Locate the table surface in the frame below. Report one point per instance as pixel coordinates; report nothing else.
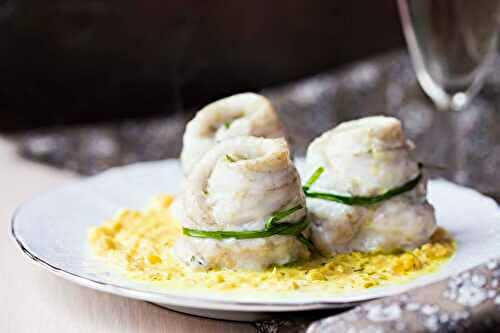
(37, 301)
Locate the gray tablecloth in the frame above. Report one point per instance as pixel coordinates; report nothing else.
(468, 302)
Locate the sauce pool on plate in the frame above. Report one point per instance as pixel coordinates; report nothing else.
(139, 244)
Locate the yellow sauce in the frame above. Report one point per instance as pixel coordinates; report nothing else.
(139, 243)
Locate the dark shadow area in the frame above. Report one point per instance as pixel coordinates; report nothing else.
(67, 62)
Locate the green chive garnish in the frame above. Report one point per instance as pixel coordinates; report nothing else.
(271, 228)
(360, 200)
(281, 215)
(230, 159)
(307, 243)
(286, 229)
(313, 178)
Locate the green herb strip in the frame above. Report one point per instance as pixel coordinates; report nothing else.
(271, 228)
(359, 200)
(280, 215)
(308, 244)
(313, 178)
(230, 159)
(286, 229)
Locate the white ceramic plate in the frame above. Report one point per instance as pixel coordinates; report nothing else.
(52, 231)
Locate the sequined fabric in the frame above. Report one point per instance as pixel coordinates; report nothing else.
(467, 302)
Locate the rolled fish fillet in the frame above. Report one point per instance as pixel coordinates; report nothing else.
(237, 186)
(367, 157)
(245, 114)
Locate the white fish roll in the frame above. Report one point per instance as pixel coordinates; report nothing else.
(245, 114)
(363, 157)
(366, 158)
(237, 186)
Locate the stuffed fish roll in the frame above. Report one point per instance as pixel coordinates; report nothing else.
(245, 114)
(366, 193)
(243, 207)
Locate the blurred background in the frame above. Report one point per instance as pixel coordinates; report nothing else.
(81, 61)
